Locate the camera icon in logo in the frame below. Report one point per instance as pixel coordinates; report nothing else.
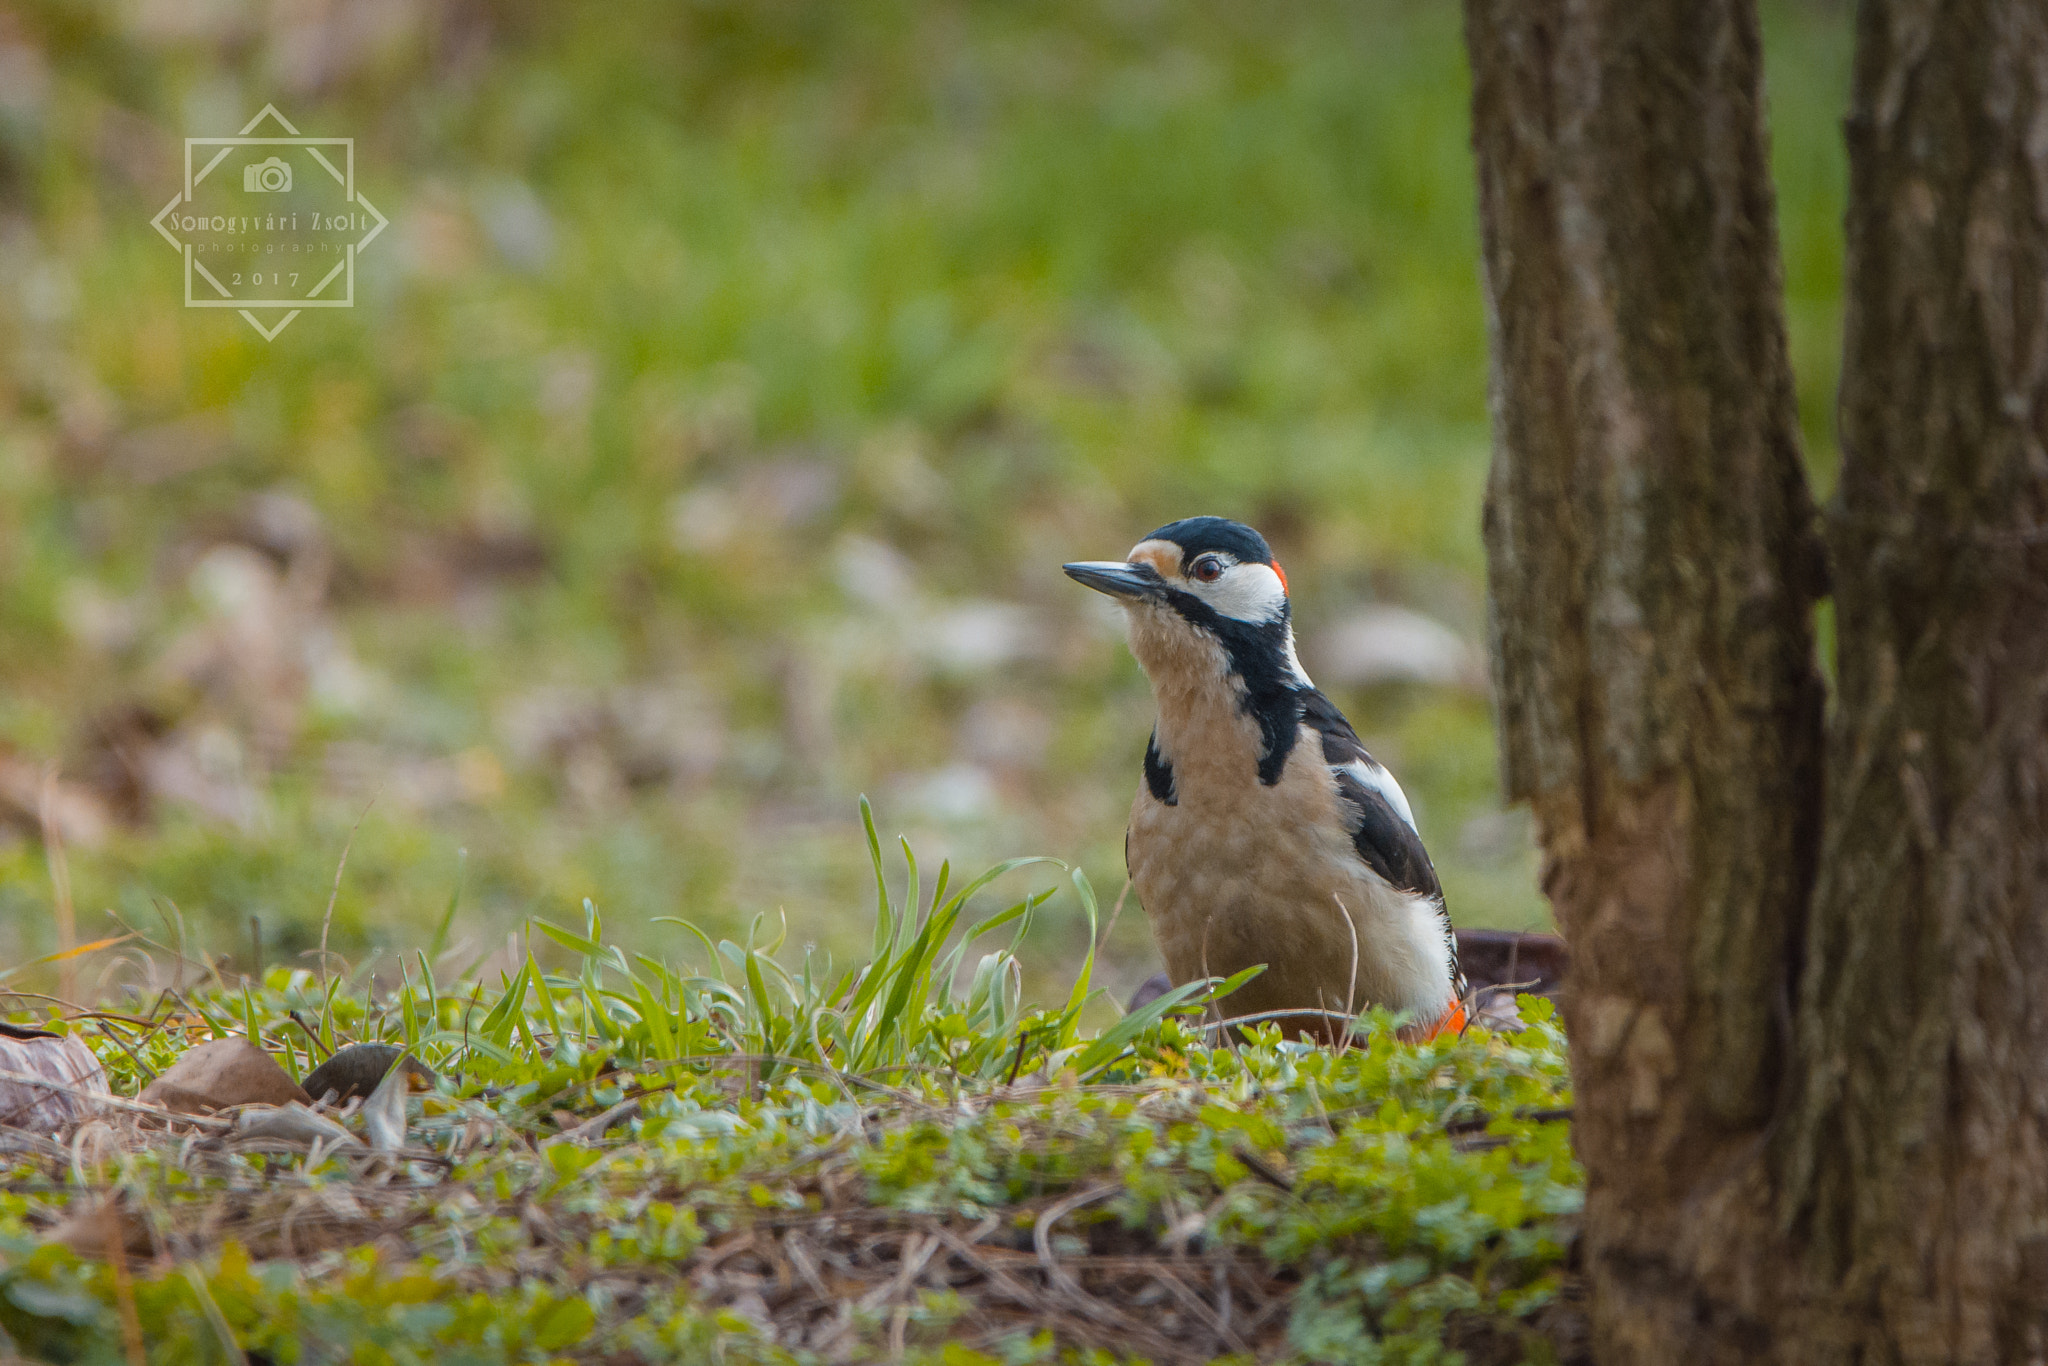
(267, 177)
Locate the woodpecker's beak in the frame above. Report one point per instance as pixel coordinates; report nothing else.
(1131, 582)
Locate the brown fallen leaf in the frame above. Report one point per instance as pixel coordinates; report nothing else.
(47, 1081)
(220, 1073)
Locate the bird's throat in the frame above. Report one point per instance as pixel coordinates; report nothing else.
(1206, 735)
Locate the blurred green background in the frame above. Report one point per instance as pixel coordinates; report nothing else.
(708, 433)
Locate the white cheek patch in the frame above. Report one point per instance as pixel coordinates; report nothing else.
(1377, 779)
(1246, 592)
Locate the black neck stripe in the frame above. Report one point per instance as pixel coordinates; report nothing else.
(1257, 654)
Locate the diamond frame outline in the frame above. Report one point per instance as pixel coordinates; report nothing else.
(350, 196)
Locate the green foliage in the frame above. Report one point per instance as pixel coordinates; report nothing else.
(1407, 1188)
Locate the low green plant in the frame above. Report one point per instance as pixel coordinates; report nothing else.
(1379, 1202)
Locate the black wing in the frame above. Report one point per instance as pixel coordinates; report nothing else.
(1387, 843)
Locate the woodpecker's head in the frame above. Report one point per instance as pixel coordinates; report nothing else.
(1203, 595)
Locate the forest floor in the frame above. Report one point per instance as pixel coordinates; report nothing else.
(624, 1159)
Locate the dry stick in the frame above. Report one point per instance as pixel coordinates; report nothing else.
(124, 1284)
(590, 1130)
(60, 884)
(1212, 1009)
(1478, 1123)
(912, 1258)
(1057, 1275)
(1351, 985)
(10, 993)
(1114, 912)
(12, 1138)
(1214, 1318)
(1018, 1061)
(1009, 1286)
(148, 1072)
(311, 1033)
(799, 1253)
(1282, 1014)
(1263, 1169)
(116, 1102)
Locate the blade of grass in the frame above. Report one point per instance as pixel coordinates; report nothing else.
(498, 1025)
(440, 940)
(885, 911)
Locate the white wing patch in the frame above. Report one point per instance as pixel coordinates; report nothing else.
(1376, 777)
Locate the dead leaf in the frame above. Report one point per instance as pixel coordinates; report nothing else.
(221, 1073)
(292, 1123)
(384, 1111)
(49, 1081)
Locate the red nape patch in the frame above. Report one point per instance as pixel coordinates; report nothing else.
(1283, 575)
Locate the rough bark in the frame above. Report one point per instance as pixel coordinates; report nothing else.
(1916, 1160)
(1809, 1031)
(1654, 560)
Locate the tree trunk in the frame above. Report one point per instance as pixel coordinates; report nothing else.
(1654, 560)
(1807, 1033)
(1916, 1160)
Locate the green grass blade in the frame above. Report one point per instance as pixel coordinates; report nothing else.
(710, 949)
(498, 1025)
(544, 995)
(568, 939)
(1112, 1042)
(1084, 980)
(440, 939)
(885, 913)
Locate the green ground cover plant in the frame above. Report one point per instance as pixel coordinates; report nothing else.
(715, 1154)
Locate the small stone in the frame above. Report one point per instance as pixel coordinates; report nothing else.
(355, 1069)
(221, 1073)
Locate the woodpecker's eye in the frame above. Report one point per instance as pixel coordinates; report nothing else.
(1208, 569)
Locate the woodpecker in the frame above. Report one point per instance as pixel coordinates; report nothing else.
(1262, 832)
